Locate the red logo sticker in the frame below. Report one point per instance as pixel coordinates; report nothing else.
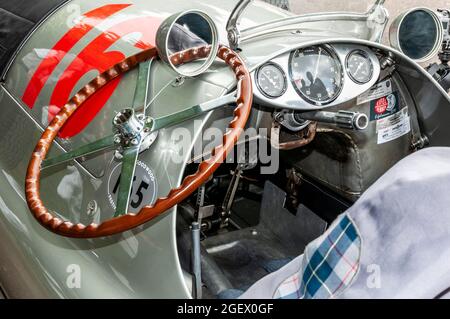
(381, 105)
(94, 57)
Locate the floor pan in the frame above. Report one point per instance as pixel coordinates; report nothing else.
(247, 255)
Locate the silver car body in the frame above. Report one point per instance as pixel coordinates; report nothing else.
(142, 263)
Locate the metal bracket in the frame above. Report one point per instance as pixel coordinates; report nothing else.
(230, 195)
(234, 35)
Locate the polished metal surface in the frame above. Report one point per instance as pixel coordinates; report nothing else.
(123, 266)
(127, 124)
(168, 35)
(234, 34)
(396, 40)
(370, 25)
(347, 91)
(342, 119)
(144, 263)
(288, 119)
(349, 161)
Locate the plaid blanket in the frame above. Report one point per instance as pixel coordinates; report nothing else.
(393, 243)
(329, 264)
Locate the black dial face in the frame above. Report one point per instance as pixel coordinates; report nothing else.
(359, 67)
(271, 80)
(316, 73)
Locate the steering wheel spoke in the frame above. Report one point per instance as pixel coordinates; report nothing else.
(129, 160)
(86, 150)
(191, 112)
(141, 92)
(132, 130)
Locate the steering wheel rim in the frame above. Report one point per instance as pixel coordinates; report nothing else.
(188, 186)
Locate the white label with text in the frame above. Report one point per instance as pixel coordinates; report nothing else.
(394, 126)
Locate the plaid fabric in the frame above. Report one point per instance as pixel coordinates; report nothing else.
(329, 264)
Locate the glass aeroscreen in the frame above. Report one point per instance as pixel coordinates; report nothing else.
(418, 34)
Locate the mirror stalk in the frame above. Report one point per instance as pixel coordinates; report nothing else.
(234, 35)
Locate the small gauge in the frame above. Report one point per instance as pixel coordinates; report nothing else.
(271, 80)
(359, 66)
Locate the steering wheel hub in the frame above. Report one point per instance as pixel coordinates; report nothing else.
(134, 133)
(127, 124)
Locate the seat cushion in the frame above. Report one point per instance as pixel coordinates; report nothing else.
(17, 19)
(403, 226)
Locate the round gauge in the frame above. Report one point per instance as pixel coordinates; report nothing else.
(359, 66)
(316, 74)
(271, 80)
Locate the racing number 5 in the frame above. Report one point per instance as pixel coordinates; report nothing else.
(139, 194)
(142, 186)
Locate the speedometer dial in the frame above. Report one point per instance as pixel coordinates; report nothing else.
(359, 67)
(271, 80)
(316, 73)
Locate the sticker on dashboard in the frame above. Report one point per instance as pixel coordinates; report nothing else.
(377, 91)
(394, 126)
(384, 106)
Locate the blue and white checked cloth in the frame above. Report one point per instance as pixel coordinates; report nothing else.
(329, 265)
(401, 225)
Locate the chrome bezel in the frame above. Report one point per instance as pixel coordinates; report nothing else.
(349, 73)
(162, 42)
(329, 49)
(394, 33)
(285, 83)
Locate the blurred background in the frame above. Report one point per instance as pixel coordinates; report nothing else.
(395, 7)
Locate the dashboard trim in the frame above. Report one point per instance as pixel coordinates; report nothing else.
(293, 101)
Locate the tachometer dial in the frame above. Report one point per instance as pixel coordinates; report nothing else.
(271, 80)
(316, 73)
(359, 67)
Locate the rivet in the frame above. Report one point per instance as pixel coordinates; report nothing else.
(92, 208)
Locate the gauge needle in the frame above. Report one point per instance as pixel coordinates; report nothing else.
(359, 67)
(268, 78)
(317, 66)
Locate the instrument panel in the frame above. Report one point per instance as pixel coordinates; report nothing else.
(316, 77)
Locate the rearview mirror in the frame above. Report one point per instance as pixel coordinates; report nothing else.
(417, 33)
(188, 42)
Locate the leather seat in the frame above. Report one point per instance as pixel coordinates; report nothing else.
(18, 18)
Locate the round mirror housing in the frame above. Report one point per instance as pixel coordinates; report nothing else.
(418, 33)
(186, 34)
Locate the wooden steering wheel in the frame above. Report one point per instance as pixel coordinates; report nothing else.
(131, 146)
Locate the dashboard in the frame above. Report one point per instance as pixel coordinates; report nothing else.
(316, 77)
